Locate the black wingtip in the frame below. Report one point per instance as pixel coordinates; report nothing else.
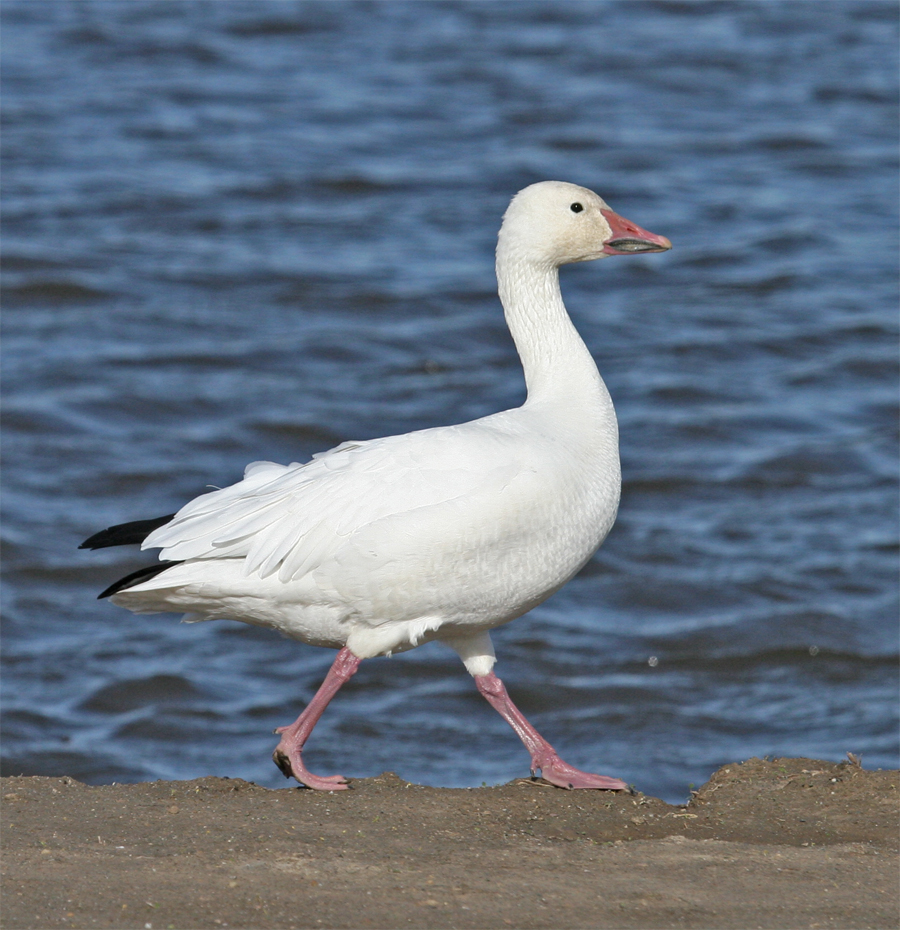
(125, 534)
(142, 574)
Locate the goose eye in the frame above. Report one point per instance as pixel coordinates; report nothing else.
(576, 208)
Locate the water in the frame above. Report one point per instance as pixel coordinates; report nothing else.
(236, 231)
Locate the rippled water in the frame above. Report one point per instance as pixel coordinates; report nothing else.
(249, 230)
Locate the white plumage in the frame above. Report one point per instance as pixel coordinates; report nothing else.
(375, 547)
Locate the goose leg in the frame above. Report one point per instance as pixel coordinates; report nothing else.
(543, 755)
(288, 753)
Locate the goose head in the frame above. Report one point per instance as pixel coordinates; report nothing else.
(555, 223)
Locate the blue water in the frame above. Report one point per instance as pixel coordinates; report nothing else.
(251, 230)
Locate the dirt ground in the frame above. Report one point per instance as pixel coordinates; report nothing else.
(786, 843)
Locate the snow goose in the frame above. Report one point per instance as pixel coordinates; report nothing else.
(441, 534)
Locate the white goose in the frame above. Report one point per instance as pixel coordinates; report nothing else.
(442, 534)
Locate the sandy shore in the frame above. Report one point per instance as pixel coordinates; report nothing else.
(786, 843)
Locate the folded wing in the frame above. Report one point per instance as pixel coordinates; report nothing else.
(287, 520)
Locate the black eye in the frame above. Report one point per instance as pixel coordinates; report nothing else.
(576, 208)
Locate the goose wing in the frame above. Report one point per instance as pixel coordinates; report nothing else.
(291, 519)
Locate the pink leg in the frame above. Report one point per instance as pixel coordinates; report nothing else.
(543, 755)
(287, 755)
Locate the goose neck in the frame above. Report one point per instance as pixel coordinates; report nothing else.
(556, 362)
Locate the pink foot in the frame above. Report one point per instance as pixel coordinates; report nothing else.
(289, 759)
(288, 755)
(543, 755)
(563, 775)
